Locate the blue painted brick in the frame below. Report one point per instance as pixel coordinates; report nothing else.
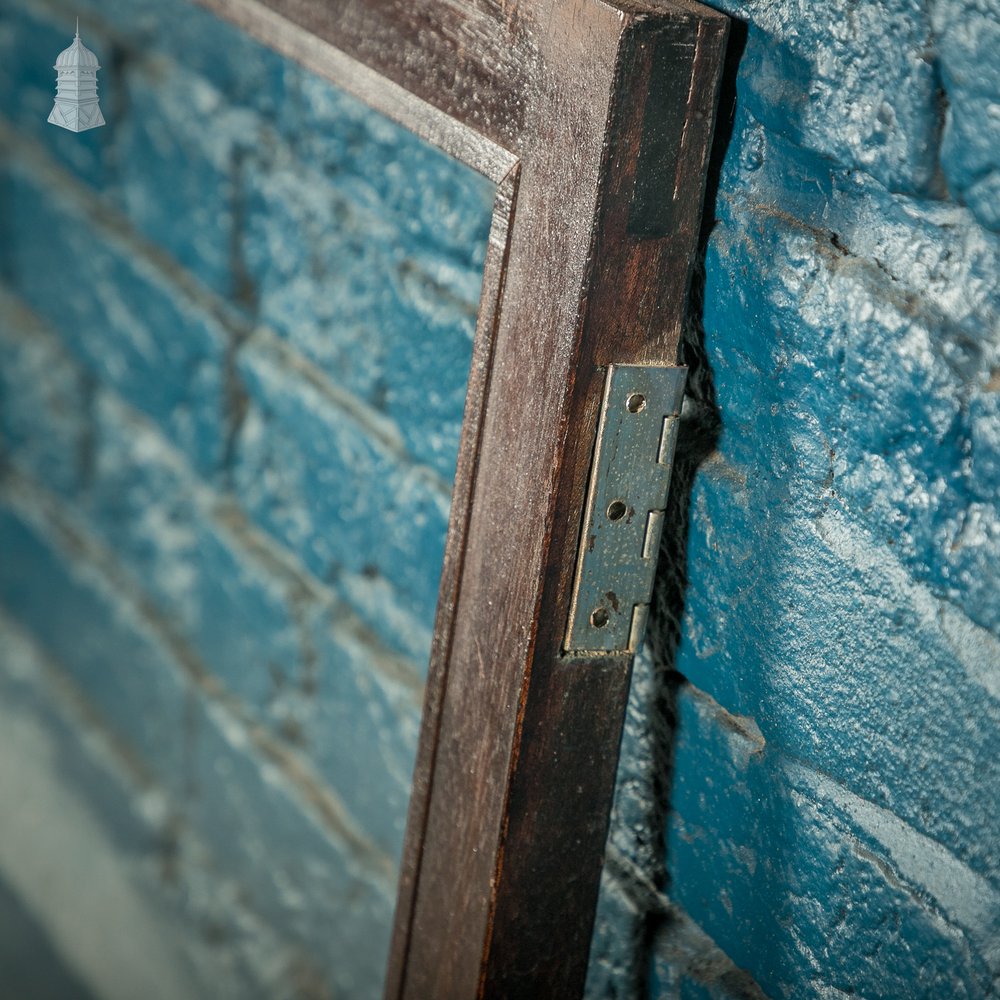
(313, 255)
(34, 687)
(930, 254)
(177, 152)
(437, 204)
(815, 888)
(828, 343)
(399, 628)
(128, 674)
(429, 352)
(180, 169)
(330, 490)
(146, 504)
(291, 871)
(967, 39)
(237, 616)
(841, 658)
(44, 400)
(118, 313)
(855, 86)
(362, 718)
(294, 873)
(355, 281)
(267, 637)
(204, 934)
(984, 444)
(297, 450)
(171, 161)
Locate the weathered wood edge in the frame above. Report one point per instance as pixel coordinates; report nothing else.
(498, 250)
(536, 921)
(274, 25)
(566, 118)
(564, 760)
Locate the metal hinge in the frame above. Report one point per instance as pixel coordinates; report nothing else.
(623, 517)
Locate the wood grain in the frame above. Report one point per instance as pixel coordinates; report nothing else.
(595, 119)
(564, 755)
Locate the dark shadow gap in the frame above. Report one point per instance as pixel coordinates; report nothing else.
(699, 432)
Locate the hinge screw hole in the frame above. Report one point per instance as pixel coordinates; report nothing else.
(599, 617)
(616, 510)
(635, 402)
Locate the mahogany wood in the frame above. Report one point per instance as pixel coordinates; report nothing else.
(595, 121)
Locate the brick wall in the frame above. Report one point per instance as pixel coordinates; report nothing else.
(818, 740)
(235, 327)
(198, 660)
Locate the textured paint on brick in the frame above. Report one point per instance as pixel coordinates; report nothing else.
(618, 928)
(841, 512)
(277, 641)
(126, 670)
(967, 40)
(311, 252)
(316, 478)
(867, 389)
(812, 886)
(439, 207)
(261, 830)
(290, 198)
(366, 279)
(157, 518)
(360, 721)
(177, 153)
(61, 850)
(133, 328)
(841, 601)
(294, 874)
(43, 396)
(137, 858)
(376, 602)
(854, 84)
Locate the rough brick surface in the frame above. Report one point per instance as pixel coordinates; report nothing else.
(106, 649)
(317, 228)
(967, 36)
(818, 738)
(149, 509)
(116, 312)
(811, 886)
(330, 484)
(42, 397)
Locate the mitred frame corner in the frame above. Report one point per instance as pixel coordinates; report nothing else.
(594, 119)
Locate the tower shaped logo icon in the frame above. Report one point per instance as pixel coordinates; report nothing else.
(76, 106)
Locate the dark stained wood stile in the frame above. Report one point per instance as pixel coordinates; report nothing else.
(594, 119)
